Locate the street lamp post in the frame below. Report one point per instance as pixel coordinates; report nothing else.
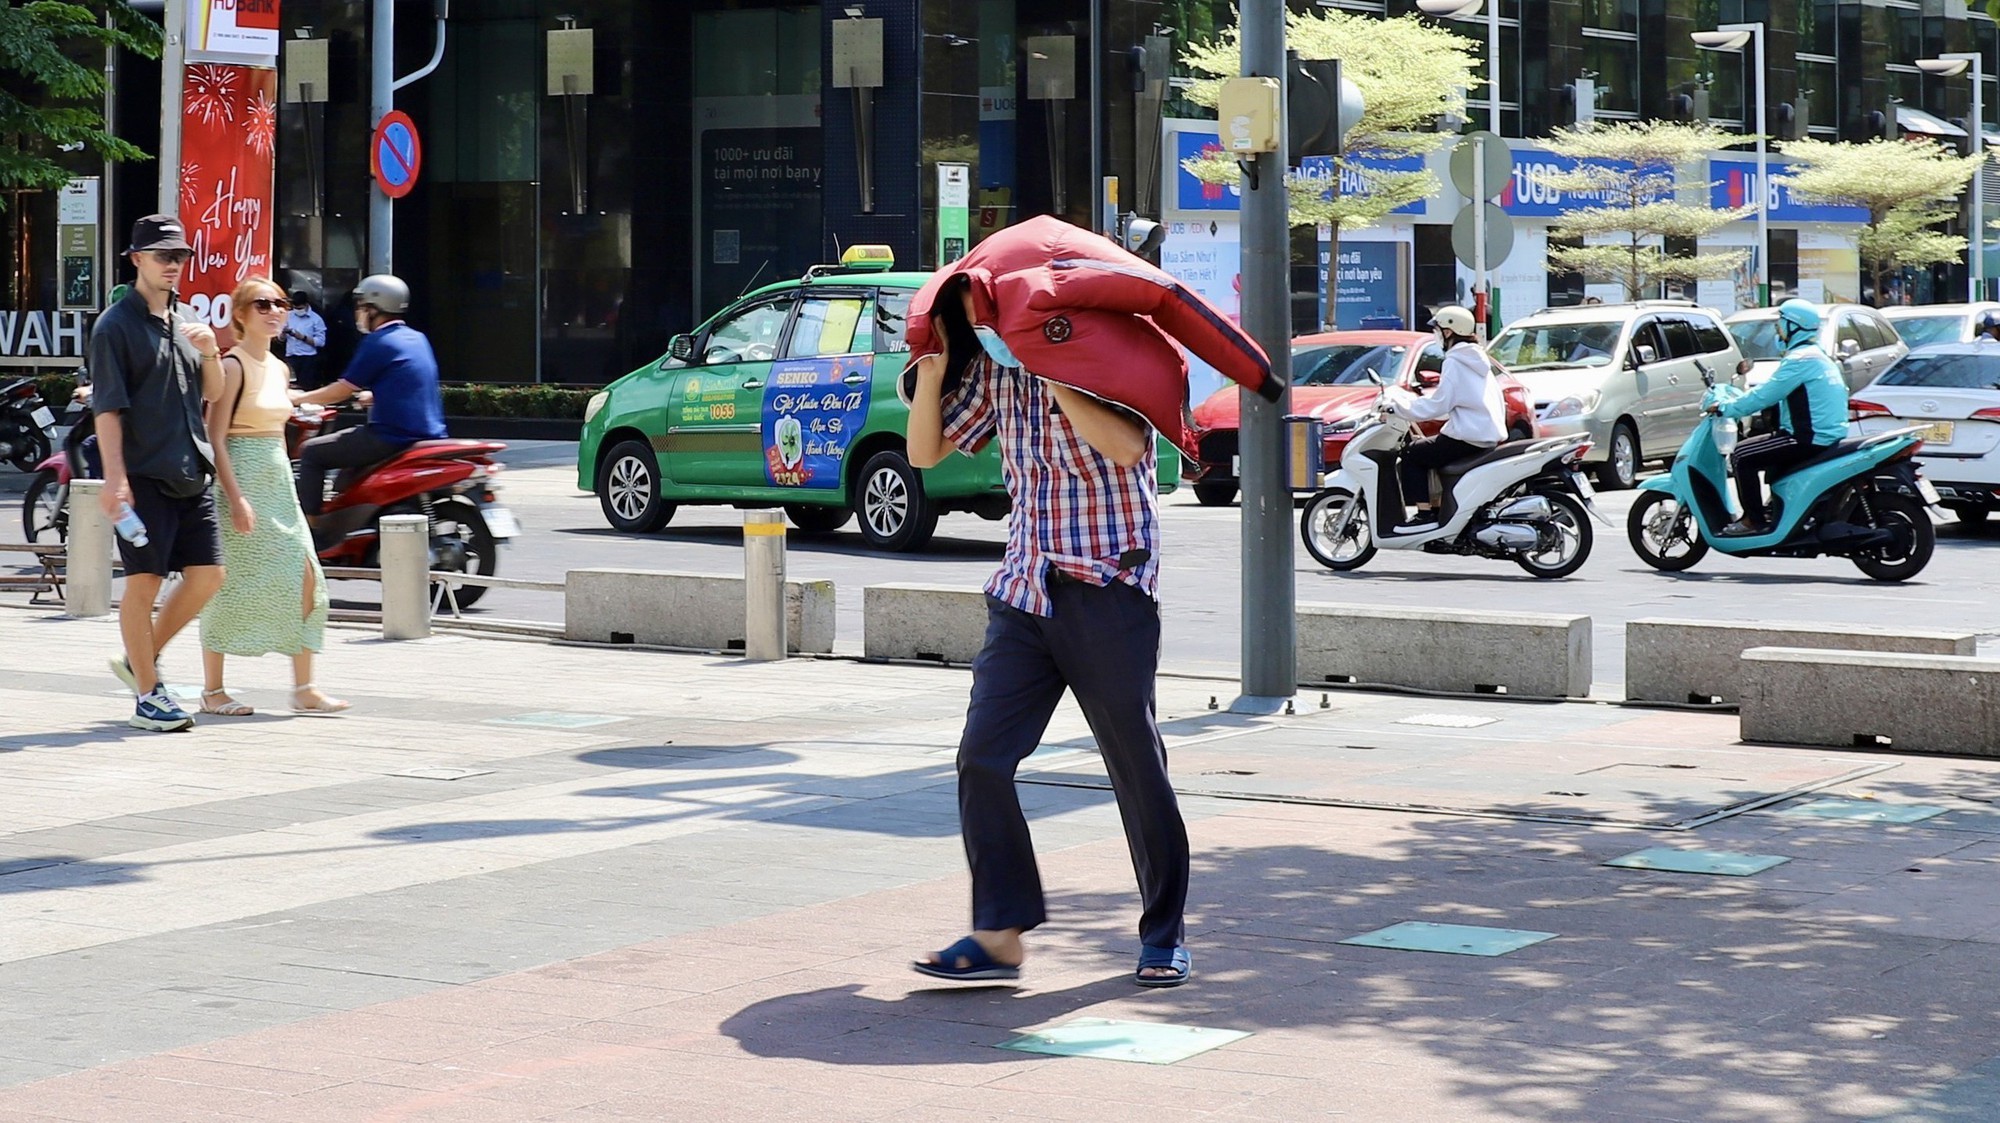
(1732, 37)
(1949, 66)
(1466, 9)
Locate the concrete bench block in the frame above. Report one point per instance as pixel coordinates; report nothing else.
(695, 610)
(1701, 660)
(1916, 703)
(1535, 654)
(907, 621)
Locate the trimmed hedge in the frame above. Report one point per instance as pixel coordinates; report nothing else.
(543, 402)
(556, 403)
(56, 389)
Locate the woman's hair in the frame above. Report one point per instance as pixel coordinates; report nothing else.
(239, 301)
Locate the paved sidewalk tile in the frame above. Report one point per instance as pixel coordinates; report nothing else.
(706, 908)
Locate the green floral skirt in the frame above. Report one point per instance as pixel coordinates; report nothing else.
(260, 610)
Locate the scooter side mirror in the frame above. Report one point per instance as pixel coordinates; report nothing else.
(1743, 366)
(1374, 377)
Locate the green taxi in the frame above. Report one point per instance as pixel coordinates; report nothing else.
(788, 398)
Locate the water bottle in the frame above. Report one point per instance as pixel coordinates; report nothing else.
(130, 526)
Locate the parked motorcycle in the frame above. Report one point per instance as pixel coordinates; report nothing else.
(45, 507)
(1522, 501)
(1862, 499)
(450, 482)
(27, 425)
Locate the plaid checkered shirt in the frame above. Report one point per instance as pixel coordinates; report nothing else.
(1075, 510)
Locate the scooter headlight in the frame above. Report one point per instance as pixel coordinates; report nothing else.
(596, 404)
(1576, 405)
(1343, 425)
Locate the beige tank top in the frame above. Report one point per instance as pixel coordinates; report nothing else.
(265, 403)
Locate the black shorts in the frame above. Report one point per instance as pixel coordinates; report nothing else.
(180, 533)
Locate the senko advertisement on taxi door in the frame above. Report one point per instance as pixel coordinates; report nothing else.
(812, 410)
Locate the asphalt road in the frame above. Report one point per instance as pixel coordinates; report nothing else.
(563, 530)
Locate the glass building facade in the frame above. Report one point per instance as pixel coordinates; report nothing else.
(564, 233)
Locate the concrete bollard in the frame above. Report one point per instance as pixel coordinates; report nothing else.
(87, 579)
(406, 583)
(764, 585)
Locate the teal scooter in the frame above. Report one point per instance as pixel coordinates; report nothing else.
(1861, 499)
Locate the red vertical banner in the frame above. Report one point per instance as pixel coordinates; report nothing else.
(229, 128)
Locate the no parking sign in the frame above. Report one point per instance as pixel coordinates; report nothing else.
(395, 154)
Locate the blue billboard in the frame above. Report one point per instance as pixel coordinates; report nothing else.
(1191, 194)
(1531, 192)
(1733, 183)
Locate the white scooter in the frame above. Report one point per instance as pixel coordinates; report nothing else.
(1524, 501)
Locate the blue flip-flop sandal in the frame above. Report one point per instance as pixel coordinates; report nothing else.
(979, 966)
(1175, 958)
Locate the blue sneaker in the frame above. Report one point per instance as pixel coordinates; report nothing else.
(160, 713)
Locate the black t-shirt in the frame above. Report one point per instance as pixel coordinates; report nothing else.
(141, 366)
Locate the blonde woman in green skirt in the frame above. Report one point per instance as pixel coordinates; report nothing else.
(273, 597)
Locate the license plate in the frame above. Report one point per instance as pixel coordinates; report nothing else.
(1929, 492)
(502, 522)
(1582, 485)
(1937, 433)
(1236, 466)
(43, 417)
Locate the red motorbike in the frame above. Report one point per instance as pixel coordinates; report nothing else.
(450, 482)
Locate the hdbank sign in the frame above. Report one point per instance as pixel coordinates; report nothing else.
(1191, 194)
(1733, 183)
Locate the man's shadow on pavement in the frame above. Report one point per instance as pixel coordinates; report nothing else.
(1651, 979)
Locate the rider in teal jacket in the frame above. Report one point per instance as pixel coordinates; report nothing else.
(1811, 396)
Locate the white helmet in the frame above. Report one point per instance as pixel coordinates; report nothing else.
(383, 292)
(1456, 320)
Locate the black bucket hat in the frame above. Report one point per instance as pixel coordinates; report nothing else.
(158, 232)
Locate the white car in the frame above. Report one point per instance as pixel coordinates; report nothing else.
(1953, 391)
(1857, 337)
(1628, 375)
(1921, 325)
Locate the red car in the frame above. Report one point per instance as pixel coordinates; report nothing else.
(1330, 382)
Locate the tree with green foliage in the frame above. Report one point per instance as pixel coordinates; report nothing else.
(1632, 169)
(52, 84)
(1909, 188)
(1410, 72)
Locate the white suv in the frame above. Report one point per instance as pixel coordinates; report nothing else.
(1627, 374)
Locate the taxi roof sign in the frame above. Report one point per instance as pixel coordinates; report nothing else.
(869, 259)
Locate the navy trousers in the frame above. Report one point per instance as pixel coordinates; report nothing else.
(1103, 643)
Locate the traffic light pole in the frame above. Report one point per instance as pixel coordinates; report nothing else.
(1270, 624)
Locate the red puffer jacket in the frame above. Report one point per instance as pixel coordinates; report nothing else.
(1077, 309)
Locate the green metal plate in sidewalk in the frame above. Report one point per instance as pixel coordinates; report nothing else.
(1866, 811)
(1143, 1042)
(1723, 863)
(557, 720)
(1449, 939)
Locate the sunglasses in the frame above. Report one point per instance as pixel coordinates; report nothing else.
(170, 257)
(266, 303)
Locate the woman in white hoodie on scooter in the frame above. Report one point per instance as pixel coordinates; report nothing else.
(1467, 397)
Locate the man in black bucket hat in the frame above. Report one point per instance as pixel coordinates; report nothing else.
(152, 365)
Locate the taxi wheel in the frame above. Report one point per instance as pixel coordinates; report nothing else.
(896, 515)
(814, 519)
(628, 489)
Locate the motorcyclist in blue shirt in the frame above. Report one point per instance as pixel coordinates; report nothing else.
(395, 364)
(1811, 397)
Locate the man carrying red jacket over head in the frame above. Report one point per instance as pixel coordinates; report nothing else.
(1060, 345)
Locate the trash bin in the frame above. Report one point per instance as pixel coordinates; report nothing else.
(1307, 462)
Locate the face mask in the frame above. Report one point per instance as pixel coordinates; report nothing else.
(996, 347)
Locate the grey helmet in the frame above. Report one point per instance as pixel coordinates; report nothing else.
(384, 292)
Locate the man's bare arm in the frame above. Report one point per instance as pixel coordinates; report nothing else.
(926, 444)
(1112, 433)
(331, 394)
